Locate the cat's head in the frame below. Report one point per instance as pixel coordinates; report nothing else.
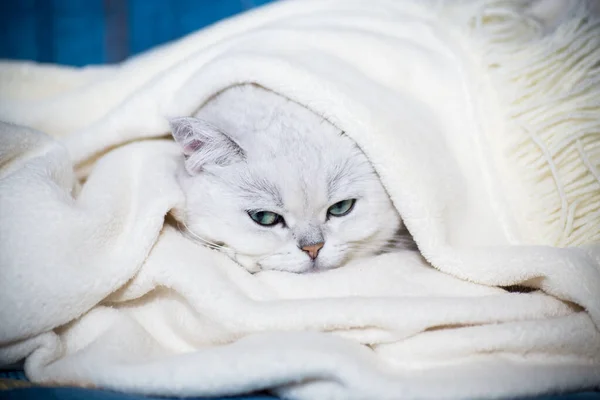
(280, 189)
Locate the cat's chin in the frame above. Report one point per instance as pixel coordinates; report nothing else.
(308, 267)
(319, 265)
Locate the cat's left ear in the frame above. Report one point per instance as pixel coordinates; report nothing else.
(204, 144)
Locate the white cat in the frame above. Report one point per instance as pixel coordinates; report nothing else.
(277, 187)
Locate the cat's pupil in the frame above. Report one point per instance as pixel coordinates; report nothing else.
(341, 208)
(265, 218)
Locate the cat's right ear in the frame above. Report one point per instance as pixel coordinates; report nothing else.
(204, 144)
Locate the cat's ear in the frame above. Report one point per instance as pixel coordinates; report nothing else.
(204, 144)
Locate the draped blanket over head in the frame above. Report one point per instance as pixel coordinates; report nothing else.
(482, 119)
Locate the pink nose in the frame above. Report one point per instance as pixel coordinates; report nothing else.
(313, 250)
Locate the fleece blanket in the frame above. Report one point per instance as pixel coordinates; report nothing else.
(482, 120)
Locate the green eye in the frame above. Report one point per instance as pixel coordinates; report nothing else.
(341, 208)
(265, 218)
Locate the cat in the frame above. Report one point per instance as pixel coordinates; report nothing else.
(276, 187)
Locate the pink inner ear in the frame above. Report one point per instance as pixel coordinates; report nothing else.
(192, 146)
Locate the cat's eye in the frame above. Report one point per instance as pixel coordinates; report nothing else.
(341, 208)
(265, 218)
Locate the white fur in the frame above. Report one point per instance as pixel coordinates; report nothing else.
(303, 159)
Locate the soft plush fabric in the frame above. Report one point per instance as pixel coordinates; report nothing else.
(481, 119)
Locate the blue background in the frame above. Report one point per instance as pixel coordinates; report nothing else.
(82, 32)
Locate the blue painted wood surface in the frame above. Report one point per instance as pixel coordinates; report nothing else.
(82, 32)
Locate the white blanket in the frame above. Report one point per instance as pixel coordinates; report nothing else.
(481, 119)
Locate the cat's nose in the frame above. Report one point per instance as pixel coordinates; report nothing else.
(313, 250)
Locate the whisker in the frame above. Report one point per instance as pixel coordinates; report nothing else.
(205, 242)
(208, 243)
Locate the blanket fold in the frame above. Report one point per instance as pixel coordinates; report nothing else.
(481, 119)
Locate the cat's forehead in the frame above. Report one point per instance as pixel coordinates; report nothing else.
(304, 181)
(263, 121)
(294, 158)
